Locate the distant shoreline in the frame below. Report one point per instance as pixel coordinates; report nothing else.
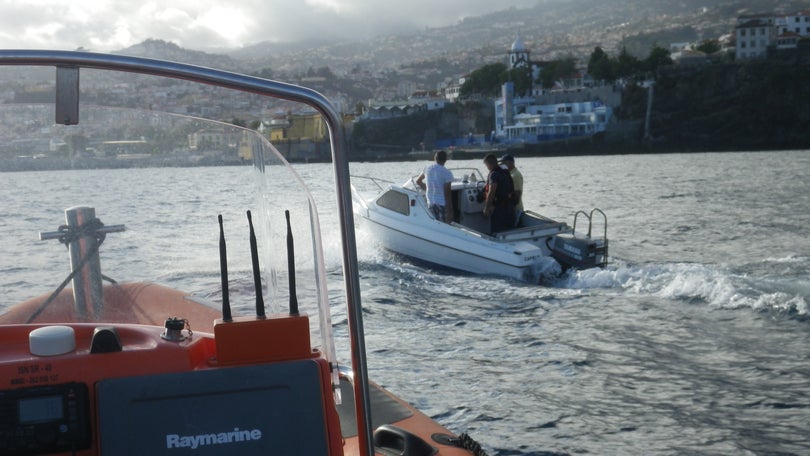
(63, 164)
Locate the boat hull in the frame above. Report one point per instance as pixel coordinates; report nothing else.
(398, 219)
(126, 388)
(460, 249)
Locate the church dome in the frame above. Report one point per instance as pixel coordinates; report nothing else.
(518, 45)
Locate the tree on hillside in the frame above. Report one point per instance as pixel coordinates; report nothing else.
(709, 46)
(266, 73)
(658, 57)
(485, 80)
(626, 64)
(323, 72)
(488, 80)
(557, 70)
(600, 65)
(521, 77)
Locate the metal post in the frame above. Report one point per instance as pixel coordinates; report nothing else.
(83, 234)
(87, 293)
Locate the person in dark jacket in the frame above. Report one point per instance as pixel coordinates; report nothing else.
(517, 183)
(498, 205)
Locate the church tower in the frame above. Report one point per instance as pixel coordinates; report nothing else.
(518, 55)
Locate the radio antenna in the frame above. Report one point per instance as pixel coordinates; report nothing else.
(291, 266)
(257, 276)
(223, 270)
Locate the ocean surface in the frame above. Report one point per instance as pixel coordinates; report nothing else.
(695, 340)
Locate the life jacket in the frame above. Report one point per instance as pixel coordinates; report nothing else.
(506, 188)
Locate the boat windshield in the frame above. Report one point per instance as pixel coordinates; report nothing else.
(467, 175)
(464, 175)
(155, 175)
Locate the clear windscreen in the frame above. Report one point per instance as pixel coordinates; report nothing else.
(138, 159)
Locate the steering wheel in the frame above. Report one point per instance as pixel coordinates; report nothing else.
(415, 185)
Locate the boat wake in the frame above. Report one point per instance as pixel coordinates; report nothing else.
(776, 285)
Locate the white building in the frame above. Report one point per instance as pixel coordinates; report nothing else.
(756, 33)
(210, 138)
(787, 40)
(453, 91)
(753, 37)
(521, 120)
(798, 23)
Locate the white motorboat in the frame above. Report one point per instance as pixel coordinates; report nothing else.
(399, 219)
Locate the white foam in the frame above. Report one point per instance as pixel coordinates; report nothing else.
(711, 284)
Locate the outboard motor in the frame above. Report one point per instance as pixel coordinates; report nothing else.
(581, 251)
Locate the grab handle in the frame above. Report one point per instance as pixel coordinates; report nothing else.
(393, 441)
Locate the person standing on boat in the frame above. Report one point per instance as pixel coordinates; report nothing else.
(517, 184)
(436, 180)
(497, 202)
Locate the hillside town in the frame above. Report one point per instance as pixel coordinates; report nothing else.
(577, 106)
(582, 106)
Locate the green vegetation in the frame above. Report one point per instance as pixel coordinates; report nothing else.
(485, 81)
(752, 105)
(556, 70)
(709, 46)
(403, 134)
(756, 105)
(400, 133)
(640, 44)
(603, 67)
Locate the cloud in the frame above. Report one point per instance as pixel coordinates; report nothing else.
(106, 25)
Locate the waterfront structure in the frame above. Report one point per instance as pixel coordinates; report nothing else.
(417, 102)
(390, 109)
(520, 118)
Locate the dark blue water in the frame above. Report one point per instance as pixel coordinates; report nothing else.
(695, 339)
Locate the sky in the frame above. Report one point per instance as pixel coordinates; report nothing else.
(109, 25)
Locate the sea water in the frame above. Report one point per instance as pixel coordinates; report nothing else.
(694, 340)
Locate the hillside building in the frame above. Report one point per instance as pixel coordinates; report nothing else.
(798, 23)
(753, 38)
(756, 35)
